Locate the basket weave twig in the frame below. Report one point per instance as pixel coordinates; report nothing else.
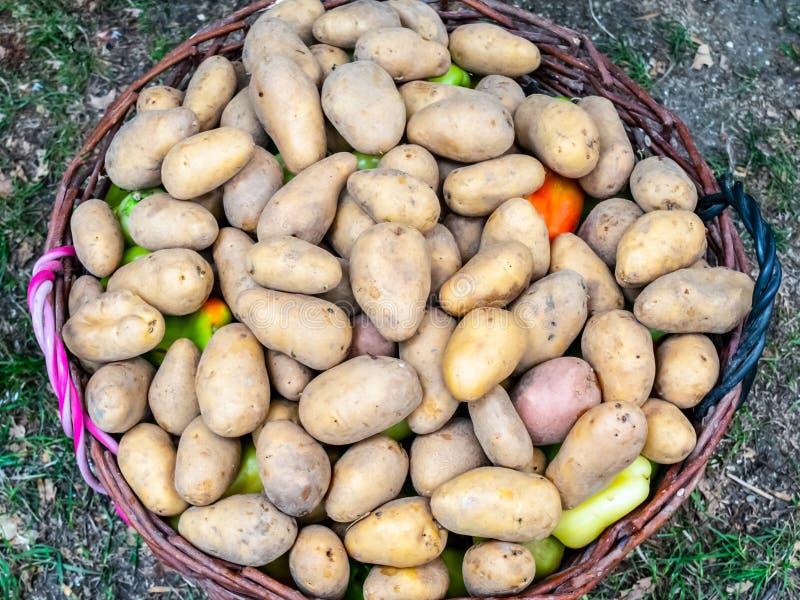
(571, 66)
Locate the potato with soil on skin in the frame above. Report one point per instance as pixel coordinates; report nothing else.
(306, 206)
(114, 326)
(318, 563)
(604, 440)
(343, 25)
(367, 475)
(403, 53)
(552, 311)
(137, 151)
(300, 14)
(239, 113)
(146, 459)
(261, 533)
(568, 251)
(390, 272)
(687, 367)
(288, 376)
(97, 237)
(561, 134)
(659, 183)
(537, 464)
(505, 89)
(205, 161)
(160, 222)
(350, 222)
(439, 456)
(368, 340)
(427, 582)
(658, 243)
(484, 349)
(415, 161)
(342, 295)
(83, 289)
(176, 281)
(696, 301)
(670, 435)
(477, 190)
(289, 264)
(467, 232)
(445, 256)
(271, 37)
(487, 49)
(494, 277)
(421, 94)
(605, 225)
(389, 195)
(293, 467)
(229, 252)
(620, 350)
(231, 383)
(498, 569)
(420, 17)
(116, 395)
(391, 534)
(616, 153)
(500, 430)
(247, 193)
(278, 87)
(517, 219)
(466, 129)
(362, 103)
(210, 89)
(158, 97)
(329, 58)
(280, 409)
(553, 395)
(172, 397)
(206, 464)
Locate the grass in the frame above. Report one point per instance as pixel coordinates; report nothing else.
(622, 52)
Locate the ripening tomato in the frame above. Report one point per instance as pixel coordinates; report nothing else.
(560, 202)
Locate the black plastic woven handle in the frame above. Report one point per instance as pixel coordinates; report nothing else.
(742, 366)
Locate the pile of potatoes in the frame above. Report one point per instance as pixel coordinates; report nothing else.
(425, 291)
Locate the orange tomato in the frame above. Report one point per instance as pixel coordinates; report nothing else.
(560, 202)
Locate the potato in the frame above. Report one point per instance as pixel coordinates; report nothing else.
(620, 350)
(114, 326)
(505, 89)
(605, 224)
(288, 376)
(604, 440)
(246, 194)
(658, 243)
(158, 97)
(446, 453)
(687, 367)
(300, 14)
(551, 396)
(483, 350)
(97, 237)
(561, 134)
(212, 202)
(343, 25)
(160, 222)
(261, 533)
(280, 410)
(486, 49)
(239, 113)
(270, 37)
(146, 459)
(390, 272)
(517, 219)
(329, 58)
(493, 277)
(338, 406)
(242, 76)
(210, 89)
(176, 281)
(696, 301)
(500, 430)
(498, 503)
(83, 289)
(659, 183)
(368, 340)
(171, 397)
(445, 256)
(285, 323)
(670, 435)
(477, 190)
(305, 207)
(403, 53)
(568, 251)
(421, 94)
(278, 87)
(116, 395)
(135, 155)
(389, 195)
(205, 161)
(538, 463)
(318, 563)
(467, 232)
(230, 251)
(421, 18)
(289, 264)
(498, 569)
(349, 223)
(552, 311)
(466, 129)
(367, 475)
(415, 161)
(426, 582)
(391, 535)
(206, 464)
(342, 295)
(361, 102)
(231, 383)
(616, 153)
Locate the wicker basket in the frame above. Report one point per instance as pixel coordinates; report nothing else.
(570, 66)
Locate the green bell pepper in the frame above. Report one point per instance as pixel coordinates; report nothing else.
(279, 569)
(287, 174)
(367, 161)
(398, 432)
(115, 195)
(455, 76)
(657, 334)
(584, 523)
(358, 573)
(123, 210)
(247, 479)
(547, 555)
(454, 559)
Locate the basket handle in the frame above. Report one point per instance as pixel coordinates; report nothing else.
(742, 365)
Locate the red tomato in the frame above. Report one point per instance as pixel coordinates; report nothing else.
(560, 202)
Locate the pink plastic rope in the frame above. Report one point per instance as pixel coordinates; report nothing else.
(74, 419)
